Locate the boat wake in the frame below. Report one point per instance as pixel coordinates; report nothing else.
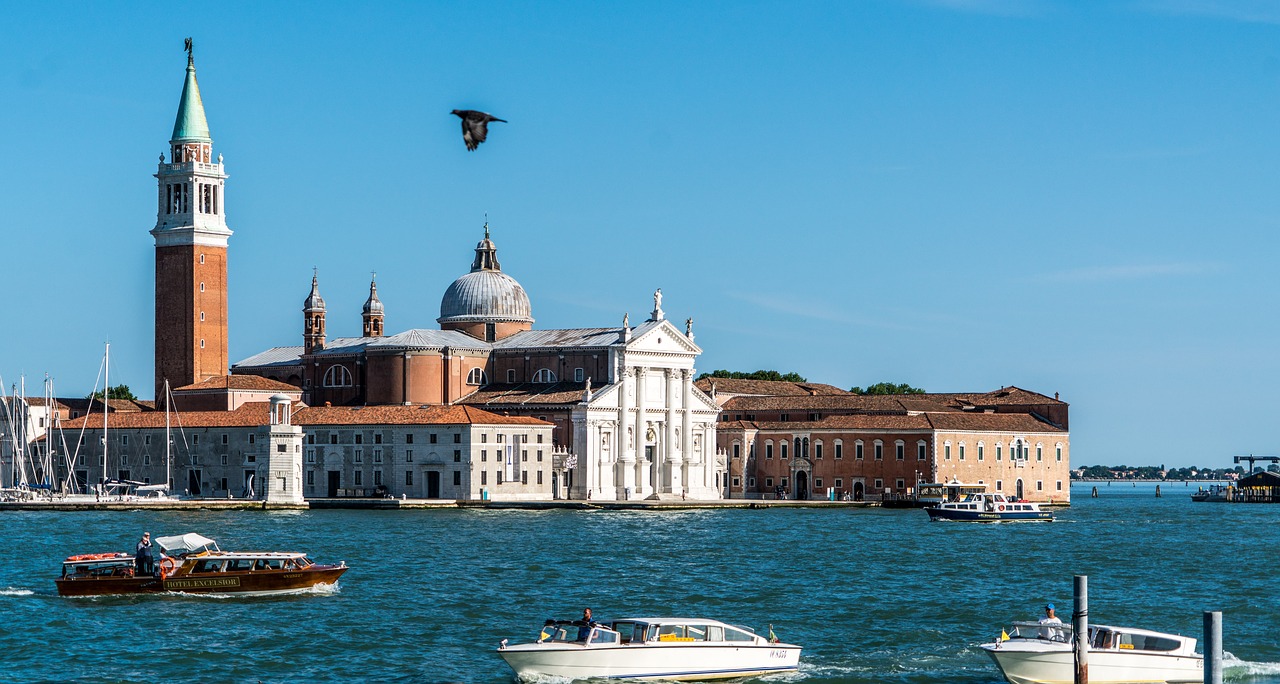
(11, 591)
(1235, 668)
(317, 590)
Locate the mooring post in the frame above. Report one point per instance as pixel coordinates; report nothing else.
(1213, 647)
(1080, 629)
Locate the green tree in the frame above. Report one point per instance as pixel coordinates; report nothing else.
(120, 391)
(887, 388)
(754, 375)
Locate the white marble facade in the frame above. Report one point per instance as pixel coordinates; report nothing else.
(650, 434)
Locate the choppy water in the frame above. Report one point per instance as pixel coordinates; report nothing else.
(872, 595)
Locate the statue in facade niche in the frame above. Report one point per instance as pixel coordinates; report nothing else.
(657, 299)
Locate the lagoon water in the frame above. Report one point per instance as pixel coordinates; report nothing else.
(873, 595)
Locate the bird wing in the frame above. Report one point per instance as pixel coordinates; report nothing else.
(467, 136)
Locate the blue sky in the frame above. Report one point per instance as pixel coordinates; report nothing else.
(957, 194)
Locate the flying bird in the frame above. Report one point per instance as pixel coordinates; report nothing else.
(475, 126)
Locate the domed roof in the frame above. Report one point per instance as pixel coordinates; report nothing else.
(314, 301)
(373, 305)
(486, 293)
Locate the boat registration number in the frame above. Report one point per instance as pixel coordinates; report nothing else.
(777, 653)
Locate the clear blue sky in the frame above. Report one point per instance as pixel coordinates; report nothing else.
(957, 194)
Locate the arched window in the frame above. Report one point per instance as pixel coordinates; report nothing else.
(476, 377)
(545, 375)
(337, 376)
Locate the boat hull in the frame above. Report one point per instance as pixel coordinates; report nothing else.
(253, 582)
(1105, 667)
(683, 662)
(989, 516)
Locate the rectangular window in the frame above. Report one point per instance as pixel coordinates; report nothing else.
(484, 455)
(457, 456)
(377, 438)
(540, 436)
(251, 438)
(1039, 453)
(499, 476)
(578, 375)
(879, 484)
(857, 451)
(783, 482)
(359, 477)
(124, 439)
(224, 438)
(768, 450)
(311, 438)
(377, 477)
(311, 455)
(539, 477)
(901, 450)
(359, 438)
(980, 452)
(839, 450)
(484, 477)
(359, 456)
(524, 477)
(817, 450)
(333, 438)
(408, 477)
(432, 438)
(784, 417)
(408, 438)
(457, 438)
(817, 482)
(1059, 453)
(147, 438)
(311, 478)
(539, 453)
(920, 451)
(1059, 485)
(224, 458)
(839, 482)
(999, 485)
(737, 450)
(457, 478)
(999, 456)
(961, 452)
(946, 452)
(511, 375)
(879, 452)
(899, 484)
(1039, 486)
(783, 453)
(408, 456)
(524, 455)
(377, 455)
(768, 482)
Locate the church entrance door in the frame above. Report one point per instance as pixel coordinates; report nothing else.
(433, 484)
(1019, 488)
(802, 485)
(335, 480)
(858, 491)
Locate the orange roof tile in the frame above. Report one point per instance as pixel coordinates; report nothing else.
(257, 413)
(239, 382)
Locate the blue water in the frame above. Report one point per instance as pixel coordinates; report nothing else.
(873, 595)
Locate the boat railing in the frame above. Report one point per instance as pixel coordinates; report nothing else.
(1042, 631)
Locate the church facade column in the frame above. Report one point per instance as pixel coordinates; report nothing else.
(642, 468)
(625, 437)
(686, 431)
(670, 450)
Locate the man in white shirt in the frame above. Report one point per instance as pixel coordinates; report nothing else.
(1050, 619)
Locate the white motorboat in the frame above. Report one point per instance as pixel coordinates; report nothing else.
(1036, 653)
(681, 649)
(985, 507)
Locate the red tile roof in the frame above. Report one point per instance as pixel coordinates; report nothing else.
(559, 393)
(239, 382)
(769, 388)
(257, 413)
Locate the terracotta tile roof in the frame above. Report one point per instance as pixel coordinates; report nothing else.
(558, 393)
(257, 413)
(406, 415)
(41, 401)
(847, 402)
(854, 422)
(990, 422)
(767, 388)
(239, 382)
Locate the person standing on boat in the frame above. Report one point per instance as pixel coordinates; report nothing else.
(585, 625)
(142, 559)
(1049, 618)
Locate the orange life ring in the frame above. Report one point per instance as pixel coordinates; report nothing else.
(1002, 507)
(167, 566)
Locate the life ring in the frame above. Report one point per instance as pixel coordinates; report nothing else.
(167, 566)
(1002, 507)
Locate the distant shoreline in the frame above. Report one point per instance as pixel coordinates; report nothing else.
(1139, 479)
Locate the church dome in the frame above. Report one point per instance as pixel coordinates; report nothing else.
(373, 305)
(314, 301)
(486, 294)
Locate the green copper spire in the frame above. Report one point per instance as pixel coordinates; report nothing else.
(191, 125)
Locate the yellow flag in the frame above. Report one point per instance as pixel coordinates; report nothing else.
(1004, 636)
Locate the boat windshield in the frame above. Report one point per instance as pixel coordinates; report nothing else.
(1052, 631)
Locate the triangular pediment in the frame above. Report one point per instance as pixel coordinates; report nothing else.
(661, 337)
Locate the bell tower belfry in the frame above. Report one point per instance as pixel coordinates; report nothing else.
(191, 249)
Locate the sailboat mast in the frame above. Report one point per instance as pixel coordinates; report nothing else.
(106, 389)
(168, 441)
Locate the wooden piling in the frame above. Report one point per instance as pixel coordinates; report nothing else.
(1213, 647)
(1080, 629)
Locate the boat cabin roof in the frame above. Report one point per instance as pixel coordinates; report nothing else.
(186, 543)
(241, 555)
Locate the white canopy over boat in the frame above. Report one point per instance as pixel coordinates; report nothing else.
(187, 543)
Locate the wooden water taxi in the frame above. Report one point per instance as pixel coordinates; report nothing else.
(194, 564)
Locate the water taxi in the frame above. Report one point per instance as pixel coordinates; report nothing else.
(191, 563)
(986, 507)
(679, 649)
(1035, 653)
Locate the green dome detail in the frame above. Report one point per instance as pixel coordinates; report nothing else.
(191, 126)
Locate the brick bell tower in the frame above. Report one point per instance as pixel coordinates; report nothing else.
(191, 250)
